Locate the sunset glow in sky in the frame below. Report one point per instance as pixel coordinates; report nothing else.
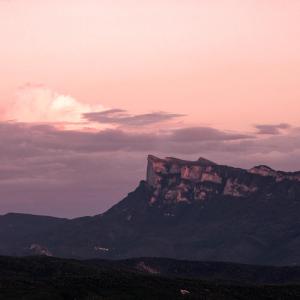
(83, 81)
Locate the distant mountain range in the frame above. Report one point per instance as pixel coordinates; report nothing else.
(185, 210)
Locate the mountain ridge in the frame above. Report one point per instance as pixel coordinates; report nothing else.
(185, 181)
(201, 211)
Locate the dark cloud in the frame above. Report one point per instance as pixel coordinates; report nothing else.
(121, 117)
(272, 129)
(195, 134)
(33, 140)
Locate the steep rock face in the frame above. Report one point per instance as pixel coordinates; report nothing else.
(278, 175)
(174, 180)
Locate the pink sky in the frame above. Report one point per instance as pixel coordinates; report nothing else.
(114, 80)
(229, 64)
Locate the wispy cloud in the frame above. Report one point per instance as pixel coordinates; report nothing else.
(198, 134)
(272, 129)
(122, 117)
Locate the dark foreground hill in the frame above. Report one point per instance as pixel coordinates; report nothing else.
(144, 278)
(184, 210)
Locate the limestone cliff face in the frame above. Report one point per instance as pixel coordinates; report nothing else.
(174, 180)
(277, 175)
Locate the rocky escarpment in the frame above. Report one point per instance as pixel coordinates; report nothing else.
(277, 175)
(174, 180)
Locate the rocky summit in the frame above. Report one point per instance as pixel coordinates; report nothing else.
(195, 210)
(174, 180)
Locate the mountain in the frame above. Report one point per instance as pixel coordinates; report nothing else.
(143, 278)
(185, 210)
